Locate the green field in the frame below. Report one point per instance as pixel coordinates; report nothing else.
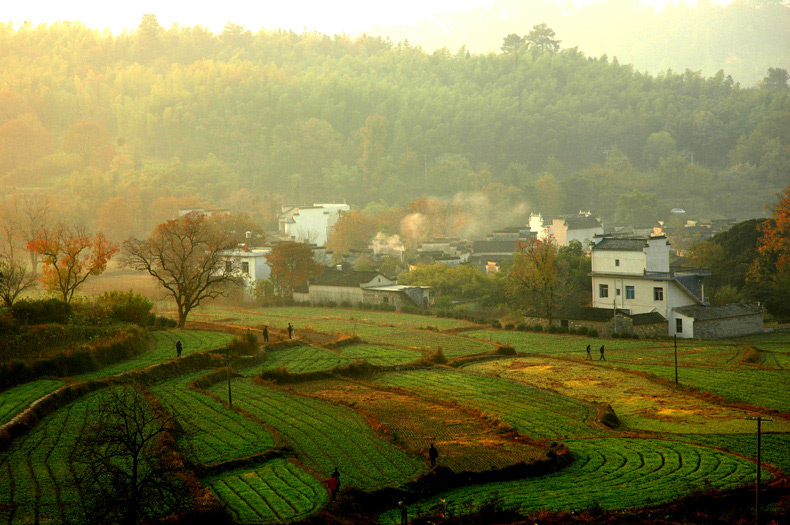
(534, 412)
(212, 433)
(380, 355)
(164, 350)
(325, 436)
(609, 473)
(16, 399)
(301, 360)
(276, 492)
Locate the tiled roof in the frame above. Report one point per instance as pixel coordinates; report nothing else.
(508, 247)
(707, 313)
(629, 244)
(581, 222)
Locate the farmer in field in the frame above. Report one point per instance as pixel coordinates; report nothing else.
(336, 474)
(602, 356)
(334, 486)
(589, 357)
(179, 348)
(404, 512)
(290, 331)
(433, 454)
(265, 333)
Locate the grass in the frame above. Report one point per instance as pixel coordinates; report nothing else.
(380, 355)
(16, 399)
(325, 436)
(608, 473)
(164, 350)
(276, 492)
(212, 433)
(774, 449)
(534, 412)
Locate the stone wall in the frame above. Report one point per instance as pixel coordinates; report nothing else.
(606, 328)
(382, 297)
(729, 327)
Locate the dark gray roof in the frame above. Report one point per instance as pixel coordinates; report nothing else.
(508, 247)
(333, 277)
(602, 315)
(648, 318)
(581, 222)
(707, 313)
(630, 244)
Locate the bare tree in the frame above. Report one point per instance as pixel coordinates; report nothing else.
(14, 279)
(124, 468)
(188, 258)
(23, 217)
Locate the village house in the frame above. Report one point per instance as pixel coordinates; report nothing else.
(582, 227)
(369, 287)
(633, 275)
(309, 224)
(249, 265)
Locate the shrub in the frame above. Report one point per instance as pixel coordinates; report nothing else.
(345, 304)
(127, 307)
(496, 324)
(562, 330)
(506, 350)
(41, 311)
(244, 345)
(552, 329)
(537, 327)
(164, 322)
(522, 327)
(615, 335)
(592, 332)
(509, 326)
(582, 330)
(438, 357)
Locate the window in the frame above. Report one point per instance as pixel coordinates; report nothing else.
(617, 262)
(564, 323)
(603, 290)
(678, 326)
(658, 294)
(245, 267)
(228, 266)
(618, 291)
(629, 292)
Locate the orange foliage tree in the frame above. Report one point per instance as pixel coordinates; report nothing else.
(292, 265)
(353, 231)
(769, 277)
(187, 256)
(534, 279)
(70, 255)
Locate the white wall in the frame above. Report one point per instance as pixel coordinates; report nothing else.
(688, 325)
(657, 253)
(583, 236)
(313, 225)
(643, 301)
(631, 262)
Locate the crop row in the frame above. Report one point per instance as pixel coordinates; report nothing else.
(325, 436)
(610, 473)
(774, 449)
(37, 483)
(301, 360)
(16, 399)
(164, 350)
(275, 492)
(212, 433)
(380, 355)
(532, 411)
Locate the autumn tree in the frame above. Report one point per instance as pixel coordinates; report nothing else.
(125, 469)
(769, 277)
(535, 284)
(91, 142)
(22, 217)
(70, 255)
(188, 258)
(292, 265)
(353, 231)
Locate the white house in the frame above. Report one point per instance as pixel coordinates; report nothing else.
(310, 224)
(633, 274)
(249, 264)
(582, 227)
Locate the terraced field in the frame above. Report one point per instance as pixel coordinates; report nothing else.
(467, 442)
(164, 350)
(212, 433)
(534, 412)
(610, 473)
(325, 436)
(37, 484)
(301, 360)
(16, 399)
(276, 492)
(638, 403)
(380, 355)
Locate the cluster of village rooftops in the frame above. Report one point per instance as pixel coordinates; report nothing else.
(634, 287)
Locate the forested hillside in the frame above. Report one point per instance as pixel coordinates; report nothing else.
(125, 127)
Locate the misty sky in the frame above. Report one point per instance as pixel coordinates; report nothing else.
(340, 16)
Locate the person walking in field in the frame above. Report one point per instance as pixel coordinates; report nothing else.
(404, 512)
(433, 454)
(179, 348)
(602, 356)
(265, 334)
(290, 331)
(334, 486)
(589, 357)
(336, 474)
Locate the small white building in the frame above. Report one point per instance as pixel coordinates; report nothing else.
(310, 224)
(582, 227)
(249, 264)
